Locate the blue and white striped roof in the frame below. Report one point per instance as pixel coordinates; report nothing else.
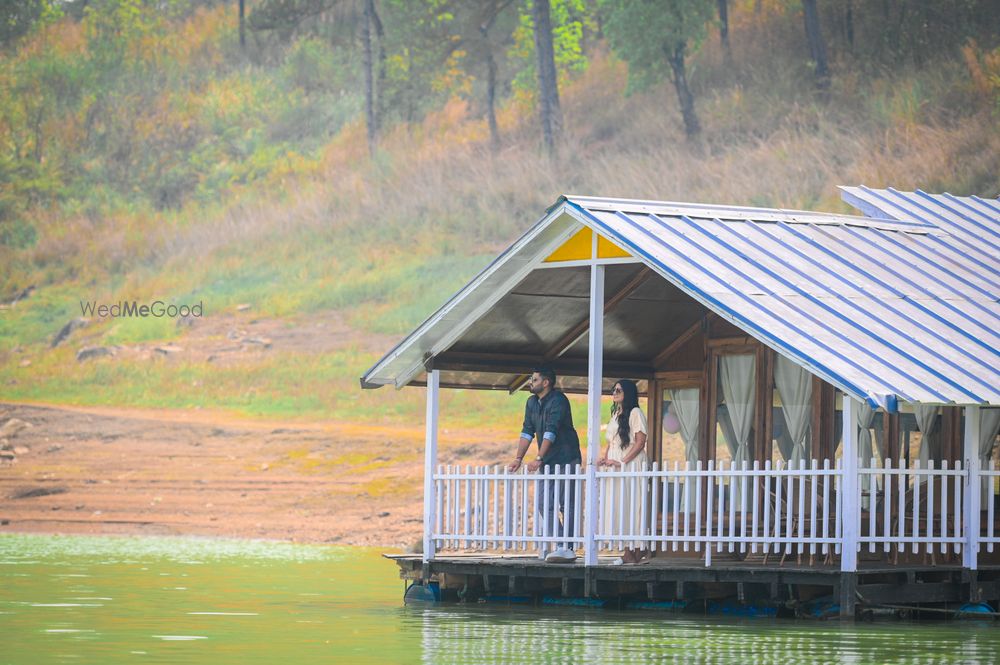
(886, 309)
(902, 305)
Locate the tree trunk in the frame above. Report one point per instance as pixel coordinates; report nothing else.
(366, 40)
(817, 47)
(492, 12)
(380, 76)
(548, 84)
(491, 95)
(849, 23)
(691, 125)
(724, 24)
(243, 34)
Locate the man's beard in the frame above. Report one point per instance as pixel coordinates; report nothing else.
(536, 388)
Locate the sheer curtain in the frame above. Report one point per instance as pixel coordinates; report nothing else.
(989, 427)
(794, 385)
(684, 404)
(926, 415)
(737, 375)
(864, 419)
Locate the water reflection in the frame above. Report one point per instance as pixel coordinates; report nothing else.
(222, 602)
(556, 636)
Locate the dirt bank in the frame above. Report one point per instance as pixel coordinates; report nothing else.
(116, 471)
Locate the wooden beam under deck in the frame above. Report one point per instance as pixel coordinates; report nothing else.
(875, 583)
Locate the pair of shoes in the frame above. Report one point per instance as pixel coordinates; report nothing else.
(561, 555)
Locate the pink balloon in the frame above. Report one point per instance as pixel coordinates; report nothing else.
(670, 423)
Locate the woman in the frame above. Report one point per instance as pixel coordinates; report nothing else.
(625, 451)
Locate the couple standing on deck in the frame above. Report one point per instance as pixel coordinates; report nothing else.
(548, 418)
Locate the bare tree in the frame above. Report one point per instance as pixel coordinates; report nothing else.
(493, 10)
(724, 24)
(243, 17)
(817, 46)
(372, 31)
(548, 83)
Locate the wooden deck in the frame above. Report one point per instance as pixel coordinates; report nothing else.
(789, 585)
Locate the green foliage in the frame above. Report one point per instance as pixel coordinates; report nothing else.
(645, 32)
(420, 43)
(572, 22)
(19, 17)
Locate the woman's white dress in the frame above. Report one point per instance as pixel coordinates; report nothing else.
(620, 514)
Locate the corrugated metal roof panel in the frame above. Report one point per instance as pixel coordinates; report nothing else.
(879, 311)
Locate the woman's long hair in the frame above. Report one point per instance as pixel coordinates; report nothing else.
(630, 400)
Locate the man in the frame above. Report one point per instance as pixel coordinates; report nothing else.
(548, 417)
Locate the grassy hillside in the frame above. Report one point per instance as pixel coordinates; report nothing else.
(248, 187)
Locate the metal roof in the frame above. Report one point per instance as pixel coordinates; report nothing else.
(900, 305)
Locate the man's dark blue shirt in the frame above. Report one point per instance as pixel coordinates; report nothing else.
(551, 418)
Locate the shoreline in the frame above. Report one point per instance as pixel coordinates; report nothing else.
(107, 471)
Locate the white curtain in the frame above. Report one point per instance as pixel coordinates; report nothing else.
(989, 427)
(925, 415)
(737, 375)
(684, 404)
(865, 416)
(784, 439)
(794, 384)
(879, 436)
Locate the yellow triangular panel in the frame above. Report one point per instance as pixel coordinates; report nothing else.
(577, 248)
(608, 250)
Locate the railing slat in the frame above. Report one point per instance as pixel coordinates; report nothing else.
(989, 508)
(825, 549)
(708, 512)
(928, 545)
(915, 529)
(755, 502)
(767, 506)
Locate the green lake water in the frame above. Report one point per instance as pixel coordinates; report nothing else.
(114, 600)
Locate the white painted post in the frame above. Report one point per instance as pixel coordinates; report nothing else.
(851, 514)
(595, 376)
(430, 460)
(973, 489)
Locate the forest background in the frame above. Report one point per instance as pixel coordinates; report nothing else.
(322, 174)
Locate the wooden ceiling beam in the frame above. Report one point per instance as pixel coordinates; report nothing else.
(679, 341)
(567, 341)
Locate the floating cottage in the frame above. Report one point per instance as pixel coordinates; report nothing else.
(793, 357)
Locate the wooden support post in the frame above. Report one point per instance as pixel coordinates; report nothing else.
(816, 449)
(973, 490)
(849, 486)
(767, 405)
(430, 461)
(848, 592)
(890, 427)
(595, 381)
(654, 404)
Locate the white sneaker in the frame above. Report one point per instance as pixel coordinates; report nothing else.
(561, 555)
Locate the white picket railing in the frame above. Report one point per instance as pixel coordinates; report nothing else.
(916, 508)
(489, 508)
(988, 536)
(738, 510)
(742, 511)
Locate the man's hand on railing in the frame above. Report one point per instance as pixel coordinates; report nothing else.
(534, 465)
(515, 465)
